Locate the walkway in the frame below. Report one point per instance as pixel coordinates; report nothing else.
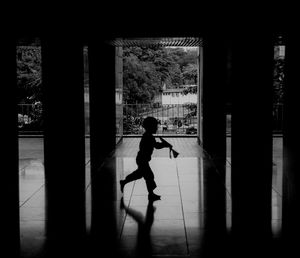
(178, 219)
(175, 226)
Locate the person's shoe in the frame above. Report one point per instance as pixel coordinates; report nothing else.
(122, 184)
(153, 197)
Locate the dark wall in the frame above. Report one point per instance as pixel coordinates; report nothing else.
(9, 189)
(251, 162)
(291, 141)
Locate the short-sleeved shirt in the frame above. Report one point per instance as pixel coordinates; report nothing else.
(147, 145)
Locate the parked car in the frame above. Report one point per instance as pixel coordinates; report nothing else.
(191, 130)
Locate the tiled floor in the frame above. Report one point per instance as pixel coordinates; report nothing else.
(172, 227)
(31, 196)
(174, 217)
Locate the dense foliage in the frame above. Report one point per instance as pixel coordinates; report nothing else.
(147, 69)
(278, 81)
(29, 74)
(29, 83)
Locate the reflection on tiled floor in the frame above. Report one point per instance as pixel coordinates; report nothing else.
(277, 185)
(32, 196)
(276, 181)
(172, 226)
(32, 206)
(176, 215)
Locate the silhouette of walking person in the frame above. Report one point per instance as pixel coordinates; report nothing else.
(146, 147)
(144, 245)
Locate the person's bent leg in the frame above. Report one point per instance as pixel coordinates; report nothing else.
(150, 183)
(131, 177)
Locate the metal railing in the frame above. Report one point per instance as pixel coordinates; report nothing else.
(24, 111)
(172, 119)
(30, 118)
(278, 118)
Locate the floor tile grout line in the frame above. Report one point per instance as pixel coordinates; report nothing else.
(89, 183)
(31, 196)
(180, 194)
(87, 162)
(123, 224)
(277, 192)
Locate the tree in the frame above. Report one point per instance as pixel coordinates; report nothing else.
(278, 79)
(29, 83)
(140, 79)
(29, 74)
(146, 69)
(190, 90)
(279, 64)
(190, 73)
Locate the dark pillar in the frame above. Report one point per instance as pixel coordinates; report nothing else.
(215, 238)
(252, 64)
(214, 143)
(214, 128)
(62, 68)
(291, 143)
(102, 100)
(9, 155)
(103, 141)
(214, 88)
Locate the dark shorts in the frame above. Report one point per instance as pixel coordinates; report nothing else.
(146, 172)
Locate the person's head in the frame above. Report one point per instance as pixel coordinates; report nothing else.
(150, 124)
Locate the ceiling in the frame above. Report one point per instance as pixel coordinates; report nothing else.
(164, 42)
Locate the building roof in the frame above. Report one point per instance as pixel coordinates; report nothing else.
(173, 90)
(178, 89)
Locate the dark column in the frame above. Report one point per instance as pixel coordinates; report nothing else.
(214, 88)
(102, 100)
(252, 64)
(62, 68)
(291, 143)
(103, 141)
(215, 235)
(214, 143)
(9, 155)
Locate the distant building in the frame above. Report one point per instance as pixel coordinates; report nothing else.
(176, 96)
(158, 98)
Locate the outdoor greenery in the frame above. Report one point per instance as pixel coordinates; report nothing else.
(278, 81)
(147, 69)
(278, 78)
(29, 74)
(29, 83)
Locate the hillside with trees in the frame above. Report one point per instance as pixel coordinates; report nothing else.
(29, 80)
(147, 69)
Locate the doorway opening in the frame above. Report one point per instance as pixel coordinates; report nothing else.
(159, 77)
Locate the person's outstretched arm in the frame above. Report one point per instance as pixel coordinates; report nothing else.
(162, 144)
